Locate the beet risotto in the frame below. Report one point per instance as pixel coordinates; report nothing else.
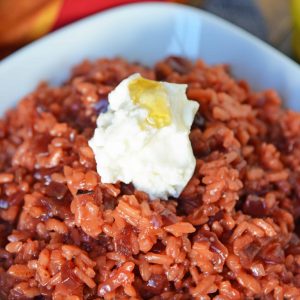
(232, 233)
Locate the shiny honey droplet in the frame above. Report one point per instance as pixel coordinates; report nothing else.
(152, 96)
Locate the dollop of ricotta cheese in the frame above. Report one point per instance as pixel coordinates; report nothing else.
(143, 138)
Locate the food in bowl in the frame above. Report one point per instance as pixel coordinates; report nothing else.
(232, 233)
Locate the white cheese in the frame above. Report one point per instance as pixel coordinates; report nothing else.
(143, 138)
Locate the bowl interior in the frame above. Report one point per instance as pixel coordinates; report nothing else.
(146, 33)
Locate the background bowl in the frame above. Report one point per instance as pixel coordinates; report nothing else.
(145, 33)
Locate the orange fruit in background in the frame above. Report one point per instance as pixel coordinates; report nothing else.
(25, 20)
(22, 21)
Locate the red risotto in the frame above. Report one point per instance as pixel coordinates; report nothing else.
(232, 233)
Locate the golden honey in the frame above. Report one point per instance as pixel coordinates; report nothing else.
(152, 96)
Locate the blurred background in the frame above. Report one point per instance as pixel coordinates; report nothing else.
(274, 21)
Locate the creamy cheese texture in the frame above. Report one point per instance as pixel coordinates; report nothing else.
(143, 138)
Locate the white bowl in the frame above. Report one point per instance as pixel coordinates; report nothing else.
(146, 33)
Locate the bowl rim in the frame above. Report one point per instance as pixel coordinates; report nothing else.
(209, 17)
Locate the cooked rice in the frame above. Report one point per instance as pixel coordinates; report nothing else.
(232, 234)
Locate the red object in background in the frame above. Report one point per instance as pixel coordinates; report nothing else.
(32, 19)
(73, 10)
